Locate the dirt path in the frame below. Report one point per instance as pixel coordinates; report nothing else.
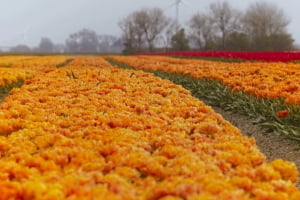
(272, 145)
(3, 95)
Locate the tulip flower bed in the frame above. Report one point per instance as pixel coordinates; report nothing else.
(43, 62)
(263, 91)
(237, 55)
(14, 70)
(271, 80)
(89, 61)
(34, 62)
(7, 61)
(109, 133)
(9, 76)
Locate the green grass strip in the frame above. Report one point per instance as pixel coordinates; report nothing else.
(262, 111)
(4, 90)
(226, 60)
(215, 59)
(65, 63)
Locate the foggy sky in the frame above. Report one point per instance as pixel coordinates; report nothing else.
(26, 21)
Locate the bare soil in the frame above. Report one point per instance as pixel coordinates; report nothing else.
(272, 145)
(3, 95)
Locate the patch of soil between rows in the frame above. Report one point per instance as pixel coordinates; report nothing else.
(272, 145)
(3, 95)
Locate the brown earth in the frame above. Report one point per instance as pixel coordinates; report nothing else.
(272, 145)
(3, 95)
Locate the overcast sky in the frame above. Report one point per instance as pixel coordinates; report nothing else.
(26, 21)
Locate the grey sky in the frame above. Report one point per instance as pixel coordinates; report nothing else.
(26, 21)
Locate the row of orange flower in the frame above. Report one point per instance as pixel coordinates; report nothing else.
(40, 62)
(10, 76)
(106, 133)
(7, 61)
(261, 79)
(16, 68)
(88, 62)
(32, 61)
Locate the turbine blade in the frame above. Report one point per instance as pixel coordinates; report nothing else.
(186, 3)
(171, 6)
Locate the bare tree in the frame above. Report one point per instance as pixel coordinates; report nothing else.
(225, 19)
(46, 45)
(145, 24)
(20, 48)
(265, 18)
(59, 48)
(264, 21)
(153, 22)
(133, 34)
(138, 23)
(262, 27)
(201, 30)
(168, 33)
(72, 44)
(83, 41)
(106, 43)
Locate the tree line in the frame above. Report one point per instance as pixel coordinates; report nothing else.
(82, 41)
(261, 27)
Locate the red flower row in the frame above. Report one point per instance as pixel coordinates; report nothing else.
(243, 55)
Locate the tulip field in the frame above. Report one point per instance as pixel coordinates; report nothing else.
(92, 128)
(269, 92)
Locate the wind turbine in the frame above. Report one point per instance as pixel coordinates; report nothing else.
(177, 4)
(25, 33)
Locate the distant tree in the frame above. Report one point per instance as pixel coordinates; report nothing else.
(20, 48)
(281, 42)
(296, 47)
(107, 43)
(133, 35)
(145, 24)
(225, 19)
(72, 44)
(129, 45)
(118, 46)
(153, 22)
(46, 45)
(168, 33)
(237, 41)
(201, 31)
(264, 18)
(179, 41)
(264, 21)
(84, 41)
(59, 48)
